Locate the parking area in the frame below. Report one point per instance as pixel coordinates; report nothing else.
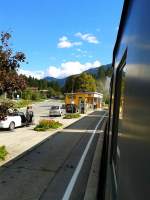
(24, 138)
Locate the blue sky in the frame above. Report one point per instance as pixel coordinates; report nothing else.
(61, 37)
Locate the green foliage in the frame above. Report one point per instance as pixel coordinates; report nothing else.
(100, 86)
(27, 94)
(83, 82)
(52, 87)
(101, 74)
(34, 82)
(106, 100)
(33, 95)
(47, 124)
(22, 103)
(70, 83)
(51, 92)
(4, 106)
(3, 152)
(10, 61)
(72, 115)
(109, 71)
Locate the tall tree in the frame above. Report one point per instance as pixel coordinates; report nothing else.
(70, 83)
(85, 83)
(101, 74)
(80, 83)
(9, 64)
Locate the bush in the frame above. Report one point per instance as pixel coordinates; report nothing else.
(4, 106)
(3, 152)
(72, 115)
(47, 124)
(35, 96)
(32, 95)
(22, 103)
(26, 94)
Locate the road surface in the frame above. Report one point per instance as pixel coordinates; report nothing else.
(54, 169)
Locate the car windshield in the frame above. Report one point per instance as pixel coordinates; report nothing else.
(54, 107)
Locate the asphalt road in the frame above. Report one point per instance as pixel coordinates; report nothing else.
(46, 172)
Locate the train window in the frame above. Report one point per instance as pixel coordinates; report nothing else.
(117, 110)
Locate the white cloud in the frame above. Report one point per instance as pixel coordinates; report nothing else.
(35, 74)
(66, 69)
(96, 64)
(71, 68)
(87, 37)
(54, 71)
(65, 43)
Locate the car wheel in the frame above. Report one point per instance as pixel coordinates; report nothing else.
(11, 126)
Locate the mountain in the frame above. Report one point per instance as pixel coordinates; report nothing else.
(93, 71)
(61, 82)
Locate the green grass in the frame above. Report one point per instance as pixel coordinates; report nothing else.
(47, 124)
(72, 115)
(3, 152)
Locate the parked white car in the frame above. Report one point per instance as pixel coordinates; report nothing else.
(14, 120)
(56, 111)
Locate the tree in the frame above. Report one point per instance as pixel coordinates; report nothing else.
(70, 84)
(54, 85)
(10, 62)
(85, 83)
(101, 74)
(109, 71)
(10, 81)
(80, 83)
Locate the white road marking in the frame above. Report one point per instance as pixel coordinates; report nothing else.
(80, 131)
(79, 166)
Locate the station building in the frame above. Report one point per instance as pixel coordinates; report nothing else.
(89, 100)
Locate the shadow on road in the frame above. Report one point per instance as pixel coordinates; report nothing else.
(43, 171)
(43, 167)
(88, 122)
